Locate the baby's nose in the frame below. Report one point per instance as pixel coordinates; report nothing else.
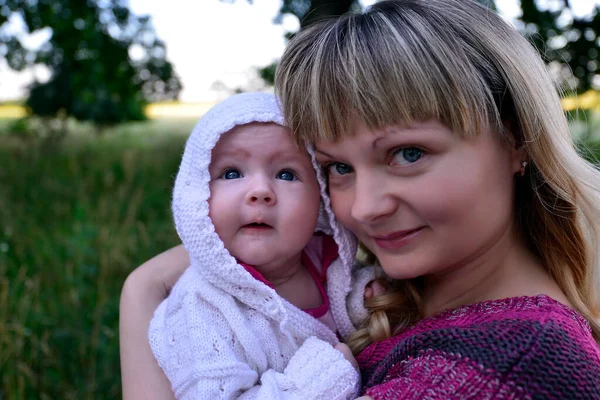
(261, 195)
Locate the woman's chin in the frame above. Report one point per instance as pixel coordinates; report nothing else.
(402, 267)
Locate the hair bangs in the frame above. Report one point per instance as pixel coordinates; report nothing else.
(384, 70)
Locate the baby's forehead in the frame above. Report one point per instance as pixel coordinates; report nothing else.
(259, 139)
(257, 127)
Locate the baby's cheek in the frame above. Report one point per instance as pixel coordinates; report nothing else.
(221, 219)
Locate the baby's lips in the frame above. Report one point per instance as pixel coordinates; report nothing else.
(257, 225)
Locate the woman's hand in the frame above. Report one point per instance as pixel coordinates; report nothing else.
(144, 289)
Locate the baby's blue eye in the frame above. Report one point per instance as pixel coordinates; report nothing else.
(407, 155)
(286, 176)
(231, 174)
(338, 169)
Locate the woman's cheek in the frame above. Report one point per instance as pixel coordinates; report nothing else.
(341, 204)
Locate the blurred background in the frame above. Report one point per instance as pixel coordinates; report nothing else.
(97, 98)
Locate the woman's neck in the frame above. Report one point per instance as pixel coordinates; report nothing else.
(505, 269)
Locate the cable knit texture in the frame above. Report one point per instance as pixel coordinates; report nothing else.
(222, 333)
(516, 348)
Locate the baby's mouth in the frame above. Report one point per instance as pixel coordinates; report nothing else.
(258, 225)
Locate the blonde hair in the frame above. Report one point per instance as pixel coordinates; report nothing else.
(459, 63)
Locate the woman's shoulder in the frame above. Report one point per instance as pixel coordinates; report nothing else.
(522, 316)
(495, 320)
(530, 344)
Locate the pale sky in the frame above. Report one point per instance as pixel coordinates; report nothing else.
(210, 41)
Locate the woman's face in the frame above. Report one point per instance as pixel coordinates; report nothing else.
(422, 199)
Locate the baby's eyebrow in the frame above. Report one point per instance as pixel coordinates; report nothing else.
(235, 153)
(289, 156)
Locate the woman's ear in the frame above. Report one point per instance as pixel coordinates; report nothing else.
(519, 160)
(519, 155)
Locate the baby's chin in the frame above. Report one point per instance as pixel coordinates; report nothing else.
(257, 261)
(268, 266)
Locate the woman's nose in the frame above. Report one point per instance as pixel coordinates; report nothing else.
(371, 202)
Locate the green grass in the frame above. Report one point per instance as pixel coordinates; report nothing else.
(74, 221)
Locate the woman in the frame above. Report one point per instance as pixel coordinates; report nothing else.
(448, 155)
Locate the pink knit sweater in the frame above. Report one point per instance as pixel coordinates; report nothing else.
(517, 348)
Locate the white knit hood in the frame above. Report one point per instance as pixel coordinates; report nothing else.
(191, 209)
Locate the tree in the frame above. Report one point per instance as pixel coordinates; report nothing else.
(310, 11)
(307, 12)
(93, 77)
(568, 43)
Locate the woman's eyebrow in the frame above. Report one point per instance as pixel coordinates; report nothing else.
(324, 153)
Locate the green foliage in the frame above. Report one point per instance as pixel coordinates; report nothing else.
(311, 11)
(20, 127)
(557, 34)
(565, 39)
(307, 12)
(585, 129)
(590, 151)
(93, 78)
(488, 3)
(11, 103)
(267, 73)
(75, 222)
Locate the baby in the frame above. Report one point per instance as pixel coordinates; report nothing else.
(269, 288)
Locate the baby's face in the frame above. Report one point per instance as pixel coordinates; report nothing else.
(264, 200)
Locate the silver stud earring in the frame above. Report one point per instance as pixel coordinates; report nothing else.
(523, 166)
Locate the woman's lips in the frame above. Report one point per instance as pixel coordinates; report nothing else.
(396, 240)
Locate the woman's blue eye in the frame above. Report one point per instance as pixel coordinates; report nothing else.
(407, 155)
(286, 176)
(231, 174)
(338, 169)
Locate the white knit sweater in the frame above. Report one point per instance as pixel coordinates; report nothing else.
(221, 333)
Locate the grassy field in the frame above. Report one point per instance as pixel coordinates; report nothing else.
(75, 220)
